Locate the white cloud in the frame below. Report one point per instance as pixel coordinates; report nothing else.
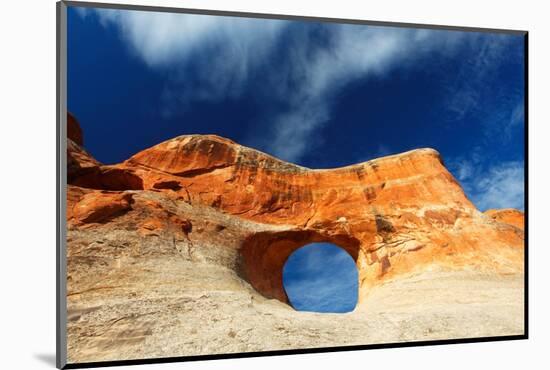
(211, 58)
(323, 295)
(499, 186)
(517, 115)
(516, 119)
(292, 131)
(354, 52)
(506, 121)
(230, 49)
(468, 89)
(464, 169)
(163, 39)
(205, 57)
(478, 91)
(299, 89)
(317, 256)
(323, 278)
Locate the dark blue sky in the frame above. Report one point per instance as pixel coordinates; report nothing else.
(319, 95)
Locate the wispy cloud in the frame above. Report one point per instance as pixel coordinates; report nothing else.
(317, 73)
(165, 39)
(213, 58)
(467, 88)
(497, 186)
(515, 119)
(471, 93)
(472, 98)
(205, 58)
(502, 186)
(489, 182)
(321, 277)
(464, 170)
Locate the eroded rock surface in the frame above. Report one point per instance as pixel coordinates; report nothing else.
(74, 131)
(179, 251)
(508, 216)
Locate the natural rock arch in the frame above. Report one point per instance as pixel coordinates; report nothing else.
(394, 215)
(265, 254)
(177, 228)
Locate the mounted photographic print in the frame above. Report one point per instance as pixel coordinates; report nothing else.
(235, 184)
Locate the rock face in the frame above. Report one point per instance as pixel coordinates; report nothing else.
(508, 216)
(199, 221)
(74, 131)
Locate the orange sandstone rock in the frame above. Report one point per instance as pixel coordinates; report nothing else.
(74, 131)
(100, 207)
(508, 216)
(395, 215)
(162, 245)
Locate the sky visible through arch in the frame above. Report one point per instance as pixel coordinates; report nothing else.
(321, 277)
(321, 95)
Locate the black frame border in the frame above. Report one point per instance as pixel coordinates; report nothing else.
(61, 110)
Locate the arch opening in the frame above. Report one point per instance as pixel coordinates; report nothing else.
(264, 254)
(321, 277)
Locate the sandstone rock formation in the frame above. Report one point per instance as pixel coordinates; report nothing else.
(186, 242)
(74, 131)
(508, 216)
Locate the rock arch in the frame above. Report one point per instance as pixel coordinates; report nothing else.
(263, 256)
(394, 215)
